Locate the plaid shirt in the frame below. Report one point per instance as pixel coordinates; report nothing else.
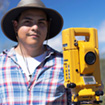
(46, 84)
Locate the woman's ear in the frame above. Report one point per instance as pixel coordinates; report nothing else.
(15, 25)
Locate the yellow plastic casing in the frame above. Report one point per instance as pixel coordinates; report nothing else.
(75, 66)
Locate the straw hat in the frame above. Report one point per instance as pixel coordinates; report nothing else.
(7, 25)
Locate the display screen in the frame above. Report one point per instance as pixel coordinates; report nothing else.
(89, 80)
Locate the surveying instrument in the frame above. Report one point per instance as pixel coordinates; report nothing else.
(81, 66)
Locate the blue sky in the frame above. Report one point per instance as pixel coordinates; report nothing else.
(76, 13)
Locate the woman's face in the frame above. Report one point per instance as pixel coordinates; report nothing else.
(32, 27)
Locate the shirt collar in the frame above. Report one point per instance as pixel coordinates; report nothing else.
(11, 53)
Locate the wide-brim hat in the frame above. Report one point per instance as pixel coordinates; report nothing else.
(56, 22)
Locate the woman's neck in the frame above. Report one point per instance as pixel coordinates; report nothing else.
(30, 51)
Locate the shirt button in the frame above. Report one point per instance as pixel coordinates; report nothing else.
(29, 89)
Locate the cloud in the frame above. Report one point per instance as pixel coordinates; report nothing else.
(101, 32)
(103, 50)
(56, 42)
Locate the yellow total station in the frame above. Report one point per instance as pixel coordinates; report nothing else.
(81, 64)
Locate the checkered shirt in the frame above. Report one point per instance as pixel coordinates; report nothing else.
(46, 84)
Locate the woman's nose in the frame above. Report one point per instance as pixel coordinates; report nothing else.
(34, 27)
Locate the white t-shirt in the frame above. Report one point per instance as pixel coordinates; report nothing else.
(30, 62)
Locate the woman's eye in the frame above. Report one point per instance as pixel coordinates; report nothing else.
(27, 22)
(42, 24)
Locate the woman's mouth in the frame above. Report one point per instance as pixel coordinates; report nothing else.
(33, 35)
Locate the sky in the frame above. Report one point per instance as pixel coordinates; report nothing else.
(75, 13)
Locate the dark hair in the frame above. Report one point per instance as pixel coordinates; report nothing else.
(17, 18)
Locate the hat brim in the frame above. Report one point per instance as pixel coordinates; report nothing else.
(56, 23)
